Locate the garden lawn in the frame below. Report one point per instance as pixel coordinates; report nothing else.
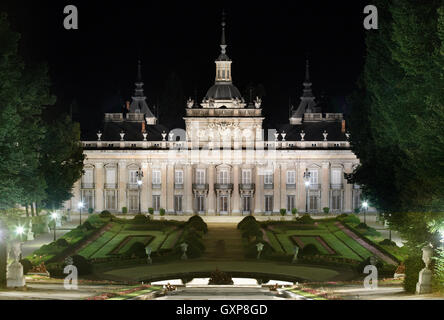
(171, 239)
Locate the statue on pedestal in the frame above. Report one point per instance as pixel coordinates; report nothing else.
(424, 284)
(184, 248)
(15, 277)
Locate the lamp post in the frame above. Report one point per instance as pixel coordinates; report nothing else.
(365, 206)
(80, 205)
(139, 175)
(54, 217)
(3, 254)
(390, 229)
(307, 184)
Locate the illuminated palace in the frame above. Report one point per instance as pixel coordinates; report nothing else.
(223, 162)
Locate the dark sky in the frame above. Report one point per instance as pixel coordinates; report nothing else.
(268, 43)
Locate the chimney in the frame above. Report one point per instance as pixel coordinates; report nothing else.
(128, 105)
(343, 126)
(143, 126)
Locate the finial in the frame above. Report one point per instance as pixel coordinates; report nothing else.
(139, 71)
(223, 44)
(307, 71)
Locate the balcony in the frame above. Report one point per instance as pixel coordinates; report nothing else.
(132, 186)
(178, 186)
(337, 186)
(87, 185)
(200, 186)
(223, 186)
(110, 185)
(246, 186)
(156, 185)
(314, 186)
(268, 186)
(291, 185)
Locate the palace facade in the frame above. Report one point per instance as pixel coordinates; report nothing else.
(223, 162)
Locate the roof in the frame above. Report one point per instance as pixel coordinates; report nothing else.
(313, 131)
(223, 91)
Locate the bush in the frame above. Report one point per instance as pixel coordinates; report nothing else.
(283, 211)
(197, 223)
(124, 210)
(294, 211)
(137, 250)
(353, 219)
(326, 210)
(27, 265)
(245, 221)
(413, 265)
(162, 211)
(105, 214)
(388, 242)
(87, 226)
(90, 210)
(151, 211)
(309, 250)
(306, 219)
(84, 267)
(362, 226)
(357, 210)
(140, 219)
(62, 242)
(55, 270)
(342, 216)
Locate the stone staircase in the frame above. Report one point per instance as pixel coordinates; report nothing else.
(223, 242)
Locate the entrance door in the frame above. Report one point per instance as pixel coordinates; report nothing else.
(223, 204)
(246, 205)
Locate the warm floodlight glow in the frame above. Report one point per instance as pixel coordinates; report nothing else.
(365, 204)
(19, 230)
(54, 215)
(139, 182)
(80, 205)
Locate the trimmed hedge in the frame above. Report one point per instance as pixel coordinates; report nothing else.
(413, 265)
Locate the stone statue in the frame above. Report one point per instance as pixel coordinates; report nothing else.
(424, 284)
(30, 234)
(260, 247)
(15, 269)
(144, 136)
(122, 135)
(325, 134)
(148, 253)
(302, 135)
(295, 256)
(184, 247)
(283, 134)
(190, 103)
(99, 136)
(257, 102)
(163, 135)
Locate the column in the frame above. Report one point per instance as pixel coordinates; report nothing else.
(170, 188)
(301, 191)
(211, 196)
(76, 196)
(189, 189)
(122, 185)
(276, 188)
(348, 190)
(325, 186)
(236, 198)
(283, 186)
(149, 184)
(163, 194)
(98, 202)
(259, 192)
(144, 188)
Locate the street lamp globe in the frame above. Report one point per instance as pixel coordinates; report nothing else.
(54, 215)
(365, 204)
(19, 230)
(139, 182)
(307, 183)
(80, 205)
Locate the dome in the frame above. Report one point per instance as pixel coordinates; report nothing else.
(223, 91)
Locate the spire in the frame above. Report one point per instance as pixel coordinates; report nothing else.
(307, 71)
(139, 72)
(223, 45)
(308, 103)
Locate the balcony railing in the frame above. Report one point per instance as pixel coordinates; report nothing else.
(336, 186)
(156, 185)
(110, 185)
(88, 185)
(132, 186)
(200, 186)
(268, 186)
(246, 186)
(314, 186)
(223, 186)
(291, 185)
(178, 186)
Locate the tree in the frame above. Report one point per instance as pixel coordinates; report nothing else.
(62, 160)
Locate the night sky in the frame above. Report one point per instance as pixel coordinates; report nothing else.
(268, 42)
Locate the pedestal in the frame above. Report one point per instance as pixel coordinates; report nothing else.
(424, 284)
(15, 277)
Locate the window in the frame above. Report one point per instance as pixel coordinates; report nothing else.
(246, 204)
(178, 203)
(110, 200)
(268, 178)
(291, 177)
(291, 203)
(111, 176)
(313, 201)
(156, 203)
(88, 199)
(313, 177)
(200, 176)
(223, 73)
(246, 176)
(156, 177)
(336, 201)
(132, 176)
(133, 201)
(268, 203)
(88, 176)
(178, 177)
(336, 176)
(223, 205)
(200, 203)
(223, 177)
